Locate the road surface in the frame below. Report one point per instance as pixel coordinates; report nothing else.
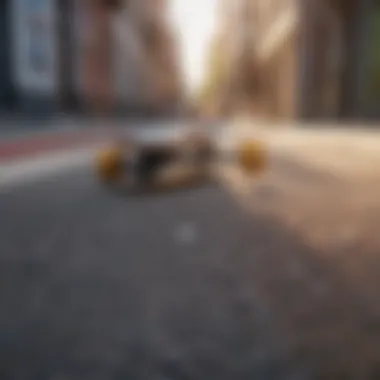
(98, 286)
(186, 285)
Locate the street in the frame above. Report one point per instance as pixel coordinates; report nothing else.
(98, 286)
(192, 284)
(268, 269)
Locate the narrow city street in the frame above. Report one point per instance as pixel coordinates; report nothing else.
(270, 270)
(271, 277)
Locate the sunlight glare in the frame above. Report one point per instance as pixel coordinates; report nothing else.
(194, 21)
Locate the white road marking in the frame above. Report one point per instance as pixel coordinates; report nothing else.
(25, 171)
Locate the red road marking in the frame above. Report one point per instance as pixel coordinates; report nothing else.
(15, 149)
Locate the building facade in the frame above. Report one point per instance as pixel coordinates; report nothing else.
(79, 55)
(228, 48)
(276, 28)
(314, 57)
(162, 83)
(39, 56)
(29, 48)
(7, 85)
(130, 60)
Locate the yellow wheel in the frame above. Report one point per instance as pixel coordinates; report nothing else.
(110, 165)
(252, 156)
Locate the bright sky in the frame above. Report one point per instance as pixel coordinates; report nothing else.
(195, 23)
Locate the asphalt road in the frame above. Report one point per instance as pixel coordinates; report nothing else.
(185, 285)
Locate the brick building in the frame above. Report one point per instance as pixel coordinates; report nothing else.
(130, 59)
(79, 55)
(313, 57)
(229, 44)
(163, 77)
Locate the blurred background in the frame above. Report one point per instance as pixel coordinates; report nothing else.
(278, 59)
(295, 59)
(269, 276)
(80, 57)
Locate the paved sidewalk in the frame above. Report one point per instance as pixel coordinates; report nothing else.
(337, 148)
(323, 184)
